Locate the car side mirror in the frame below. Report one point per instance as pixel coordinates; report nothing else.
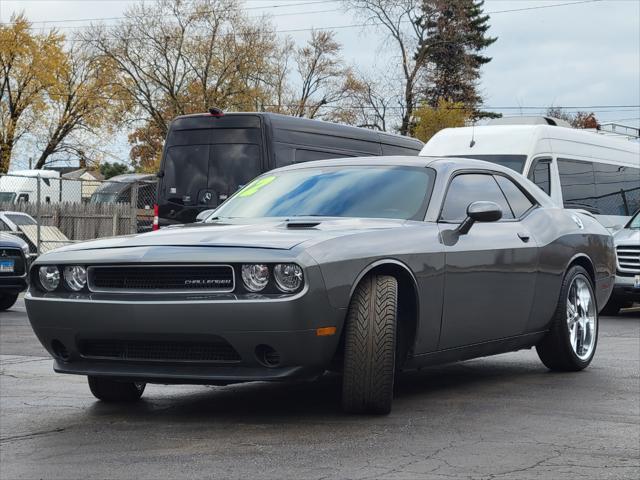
(203, 215)
(480, 212)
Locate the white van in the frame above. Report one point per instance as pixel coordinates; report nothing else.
(22, 186)
(577, 168)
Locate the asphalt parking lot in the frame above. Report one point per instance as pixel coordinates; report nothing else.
(498, 417)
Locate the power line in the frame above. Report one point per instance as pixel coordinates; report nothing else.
(355, 25)
(102, 19)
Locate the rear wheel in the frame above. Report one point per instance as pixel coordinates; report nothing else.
(370, 346)
(110, 390)
(7, 300)
(572, 339)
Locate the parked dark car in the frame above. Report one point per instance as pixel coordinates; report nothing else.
(207, 157)
(627, 284)
(366, 266)
(14, 266)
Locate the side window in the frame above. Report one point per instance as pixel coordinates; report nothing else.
(23, 197)
(468, 188)
(578, 184)
(518, 201)
(540, 174)
(4, 227)
(617, 189)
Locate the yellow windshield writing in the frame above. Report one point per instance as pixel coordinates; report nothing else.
(255, 186)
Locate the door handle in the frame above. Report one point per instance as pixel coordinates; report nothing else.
(524, 236)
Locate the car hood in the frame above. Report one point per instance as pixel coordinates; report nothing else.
(7, 240)
(271, 234)
(627, 236)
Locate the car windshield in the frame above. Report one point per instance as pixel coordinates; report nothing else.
(21, 219)
(635, 222)
(366, 192)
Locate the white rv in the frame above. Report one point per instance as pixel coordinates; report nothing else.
(577, 168)
(22, 186)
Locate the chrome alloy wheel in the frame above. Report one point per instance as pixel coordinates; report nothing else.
(581, 318)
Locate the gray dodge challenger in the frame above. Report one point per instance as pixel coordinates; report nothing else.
(364, 266)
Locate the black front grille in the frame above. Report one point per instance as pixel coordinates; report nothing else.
(162, 278)
(12, 256)
(214, 351)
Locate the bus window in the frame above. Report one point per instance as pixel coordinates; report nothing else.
(540, 174)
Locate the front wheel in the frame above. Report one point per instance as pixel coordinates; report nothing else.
(370, 346)
(109, 390)
(572, 338)
(7, 300)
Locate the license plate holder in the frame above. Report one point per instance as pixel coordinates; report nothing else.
(7, 266)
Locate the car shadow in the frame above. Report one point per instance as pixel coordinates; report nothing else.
(263, 402)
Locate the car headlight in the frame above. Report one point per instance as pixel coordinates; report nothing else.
(288, 277)
(49, 277)
(255, 277)
(75, 277)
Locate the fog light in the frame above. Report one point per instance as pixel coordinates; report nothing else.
(49, 277)
(75, 277)
(255, 277)
(288, 277)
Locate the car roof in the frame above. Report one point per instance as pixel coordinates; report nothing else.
(438, 163)
(288, 122)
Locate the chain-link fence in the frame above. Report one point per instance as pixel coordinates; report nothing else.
(48, 211)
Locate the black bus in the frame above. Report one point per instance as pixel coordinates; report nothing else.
(207, 157)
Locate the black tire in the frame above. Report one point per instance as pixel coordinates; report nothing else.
(109, 390)
(370, 346)
(7, 300)
(555, 349)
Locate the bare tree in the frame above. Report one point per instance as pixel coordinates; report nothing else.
(175, 57)
(81, 103)
(404, 22)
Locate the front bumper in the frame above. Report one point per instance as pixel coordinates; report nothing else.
(13, 284)
(287, 324)
(625, 288)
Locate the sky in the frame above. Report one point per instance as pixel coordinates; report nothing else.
(549, 52)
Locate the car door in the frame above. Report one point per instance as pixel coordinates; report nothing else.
(490, 272)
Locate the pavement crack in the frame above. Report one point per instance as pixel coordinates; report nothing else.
(26, 436)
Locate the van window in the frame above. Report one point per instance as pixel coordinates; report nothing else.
(540, 174)
(398, 150)
(311, 155)
(7, 197)
(602, 188)
(617, 189)
(514, 162)
(578, 184)
(185, 173)
(197, 174)
(468, 188)
(518, 201)
(23, 197)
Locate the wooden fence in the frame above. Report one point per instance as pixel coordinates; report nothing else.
(86, 221)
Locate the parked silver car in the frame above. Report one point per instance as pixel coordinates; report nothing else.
(365, 266)
(627, 286)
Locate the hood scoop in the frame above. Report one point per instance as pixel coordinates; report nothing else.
(301, 224)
